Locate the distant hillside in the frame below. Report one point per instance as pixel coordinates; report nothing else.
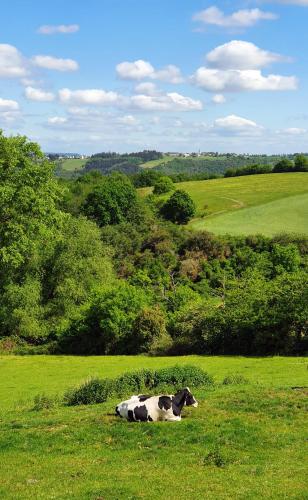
(210, 164)
(267, 204)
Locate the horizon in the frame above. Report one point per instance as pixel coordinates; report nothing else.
(95, 78)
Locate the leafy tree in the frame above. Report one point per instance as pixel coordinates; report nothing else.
(283, 165)
(301, 163)
(29, 194)
(163, 185)
(112, 202)
(108, 325)
(180, 208)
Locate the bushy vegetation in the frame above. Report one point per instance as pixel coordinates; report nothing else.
(300, 164)
(173, 378)
(89, 267)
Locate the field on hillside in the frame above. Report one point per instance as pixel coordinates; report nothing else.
(156, 163)
(244, 441)
(66, 168)
(268, 204)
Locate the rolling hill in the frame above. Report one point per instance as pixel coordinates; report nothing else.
(267, 204)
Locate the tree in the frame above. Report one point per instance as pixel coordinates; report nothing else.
(113, 201)
(29, 216)
(283, 165)
(180, 208)
(301, 163)
(163, 185)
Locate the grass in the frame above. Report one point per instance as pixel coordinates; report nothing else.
(156, 163)
(67, 167)
(244, 441)
(268, 204)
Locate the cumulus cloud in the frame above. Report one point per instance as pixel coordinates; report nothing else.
(218, 99)
(48, 29)
(12, 64)
(55, 63)
(147, 88)
(293, 131)
(171, 101)
(215, 80)
(129, 120)
(57, 120)
(9, 111)
(88, 96)
(239, 19)
(238, 54)
(8, 105)
(35, 94)
(140, 69)
(235, 67)
(236, 125)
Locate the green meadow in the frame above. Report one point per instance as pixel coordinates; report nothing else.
(267, 204)
(245, 440)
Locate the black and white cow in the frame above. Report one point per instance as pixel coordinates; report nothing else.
(145, 408)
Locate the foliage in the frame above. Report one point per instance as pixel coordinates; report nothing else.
(163, 185)
(180, 208)
(100, 390)
(249, 170)
(112, 202)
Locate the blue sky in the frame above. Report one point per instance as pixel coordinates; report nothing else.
(174, 75)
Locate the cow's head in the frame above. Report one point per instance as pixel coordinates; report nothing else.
(190, 400)
(185, 398)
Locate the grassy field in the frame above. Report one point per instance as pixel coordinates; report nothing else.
(245, 441)
(69, 166)
(267, 204)
(155, 163)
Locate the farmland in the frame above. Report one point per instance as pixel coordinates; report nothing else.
(267, 204)
(243, 441)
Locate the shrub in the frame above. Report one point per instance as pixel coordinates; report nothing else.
(163, 185)
(43, 402)
(91, 392)
(235, 379)
(180, 208)
(99, 390)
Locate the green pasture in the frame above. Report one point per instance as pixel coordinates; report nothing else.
(246, 441)
(70, 165)
(156, 163)
(268, 204)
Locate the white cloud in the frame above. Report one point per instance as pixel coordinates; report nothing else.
(240, 19)
(293, 131)
(57, 120)
(8, 105)
(147, 88)
(238, 54)
(140, 69)
(65, 29)
(216, 80)
(9, 111)
(171, 101)
(218, 99)
(128, 120)
(137, 70)
(34, 94)
(12, 64)
(55, 63)
(88, 96)
(236, 125)
(169, 74)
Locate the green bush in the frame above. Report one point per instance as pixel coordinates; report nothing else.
(97, 391)
(235, 379)
(44, 402)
